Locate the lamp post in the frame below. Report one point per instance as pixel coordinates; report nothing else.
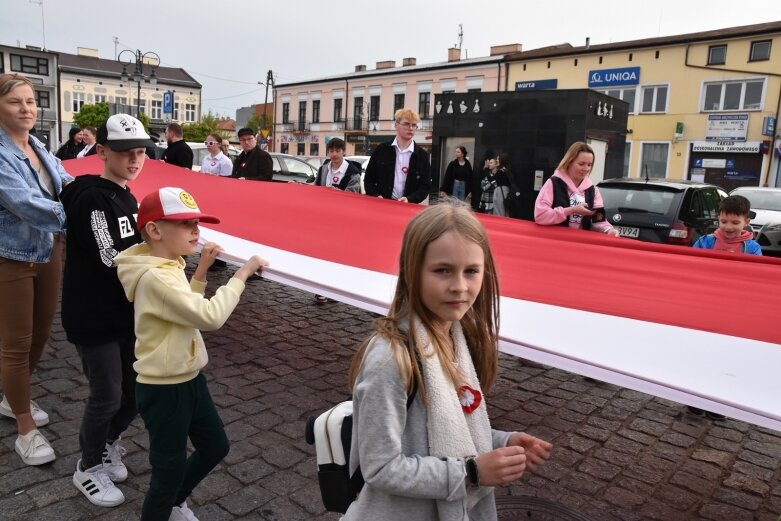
(269, 80)
(139, 59)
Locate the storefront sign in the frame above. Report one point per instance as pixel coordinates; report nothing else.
(610, 77)
(711, 163)
(536, 85)
(726, 127)
(744, 147)
(768, 126)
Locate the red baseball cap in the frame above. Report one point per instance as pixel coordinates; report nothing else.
(170, 204)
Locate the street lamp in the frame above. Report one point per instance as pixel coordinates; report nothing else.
(139, 59)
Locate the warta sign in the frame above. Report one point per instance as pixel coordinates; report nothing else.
(613, 77)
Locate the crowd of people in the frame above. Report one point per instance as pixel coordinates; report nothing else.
(135, 319)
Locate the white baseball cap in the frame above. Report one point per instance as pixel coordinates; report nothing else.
(123, 132)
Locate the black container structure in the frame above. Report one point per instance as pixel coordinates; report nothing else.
(534, 127)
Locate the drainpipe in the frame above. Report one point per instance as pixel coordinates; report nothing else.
(741, 71)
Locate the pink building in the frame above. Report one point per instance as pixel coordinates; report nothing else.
(359, 106)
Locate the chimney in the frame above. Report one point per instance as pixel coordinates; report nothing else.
(360, 68)
(588, 42)
(505, 49)
(86, 51)
(406, 62)
(387, 64)
(453, 54)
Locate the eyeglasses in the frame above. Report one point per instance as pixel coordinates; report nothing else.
(210, 143)
(407, 124)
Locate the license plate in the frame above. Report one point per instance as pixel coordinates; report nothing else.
(628, 231)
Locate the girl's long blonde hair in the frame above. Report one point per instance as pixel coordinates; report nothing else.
(480, 323)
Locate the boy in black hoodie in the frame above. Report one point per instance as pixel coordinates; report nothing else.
(96, 315)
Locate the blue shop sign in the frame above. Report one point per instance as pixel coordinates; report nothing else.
(612, 77)
(536, 84)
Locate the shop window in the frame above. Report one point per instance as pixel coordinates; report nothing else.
(653, 159)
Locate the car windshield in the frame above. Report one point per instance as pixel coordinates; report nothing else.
(762, 199)
(641, 200)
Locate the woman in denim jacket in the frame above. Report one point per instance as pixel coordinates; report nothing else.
(31, 224)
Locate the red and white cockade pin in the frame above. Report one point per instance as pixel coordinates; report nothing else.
(405, 169)
(470, 398)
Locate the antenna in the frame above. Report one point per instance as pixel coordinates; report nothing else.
(43, 26)
(460, 42)
(116, 42)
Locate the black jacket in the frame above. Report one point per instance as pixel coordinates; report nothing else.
(101, 223)
(561, 198)
(456, 172)
(255, 165)
(382, 170)
(349, 179)
(179, 154)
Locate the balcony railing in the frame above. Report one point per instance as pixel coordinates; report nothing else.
(300, 126)
(356, 125)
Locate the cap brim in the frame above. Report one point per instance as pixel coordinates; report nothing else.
(128, 144)
(202, 217)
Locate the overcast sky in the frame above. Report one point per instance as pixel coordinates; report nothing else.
(229, 45)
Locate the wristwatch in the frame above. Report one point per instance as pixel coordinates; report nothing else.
(471, 472)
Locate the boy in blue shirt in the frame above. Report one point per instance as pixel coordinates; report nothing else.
(733, 233)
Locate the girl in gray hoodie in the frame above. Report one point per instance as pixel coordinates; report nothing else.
(439, 459)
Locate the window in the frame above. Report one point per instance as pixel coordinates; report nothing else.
(398, 102)
(733, 95)
(760, 51)
(717, 55)
(474, 90)
(301, 112)
(283, 148)
(337, 109)
(100, 98)
(286, 112)
(627, 157)
(628, 94)
(121, 100)
(374, 108)
(42, 99)
(654, 159)
(314, 149)
(78, 101)
(315, 111)
(157, 109)
(189, 112)
(300, 149)
(357, 111)
(141, 103)
(29, 64)
(175, 115)
(424, 104)
(2, 65)
(654, 99)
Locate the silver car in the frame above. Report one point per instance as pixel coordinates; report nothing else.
(766, 224)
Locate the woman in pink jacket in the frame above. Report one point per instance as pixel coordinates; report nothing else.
(569, 198)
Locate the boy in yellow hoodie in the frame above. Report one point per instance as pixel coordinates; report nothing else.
(171, 393)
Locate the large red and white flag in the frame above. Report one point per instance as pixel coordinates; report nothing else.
(697, 327)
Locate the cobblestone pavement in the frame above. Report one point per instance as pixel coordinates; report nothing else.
(620, 454)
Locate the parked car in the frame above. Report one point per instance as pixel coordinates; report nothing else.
(364, 162)
(661, 211)
(766, 221)
(315, 161)
(292, 168)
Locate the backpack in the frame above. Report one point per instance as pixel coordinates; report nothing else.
(513, 201)
(331, 433)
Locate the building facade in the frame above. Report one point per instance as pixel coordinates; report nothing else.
(85, 78)
(359, 107)
(703, 106)
(41, 67)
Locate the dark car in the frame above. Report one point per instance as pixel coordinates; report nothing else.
(291, 168)
(661, 211)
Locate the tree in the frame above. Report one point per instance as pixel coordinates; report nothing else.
(91, 115)
(259, 121)
(97, 114)
(200, 130)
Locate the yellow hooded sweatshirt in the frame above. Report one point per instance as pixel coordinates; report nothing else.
(169, 312)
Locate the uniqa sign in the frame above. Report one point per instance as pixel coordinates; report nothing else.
(611, 77)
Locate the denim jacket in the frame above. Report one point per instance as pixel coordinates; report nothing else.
(28, 215)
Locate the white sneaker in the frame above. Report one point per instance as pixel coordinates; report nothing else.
(95, 484)
(39, 415)
(112, 461)
(182, 513)
(33, 448)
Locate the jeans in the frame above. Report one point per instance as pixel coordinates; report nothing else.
(172, 413)
(28, 301)
(111, 405)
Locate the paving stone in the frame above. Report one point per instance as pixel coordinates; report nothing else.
(246, 500)
(718, 511)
